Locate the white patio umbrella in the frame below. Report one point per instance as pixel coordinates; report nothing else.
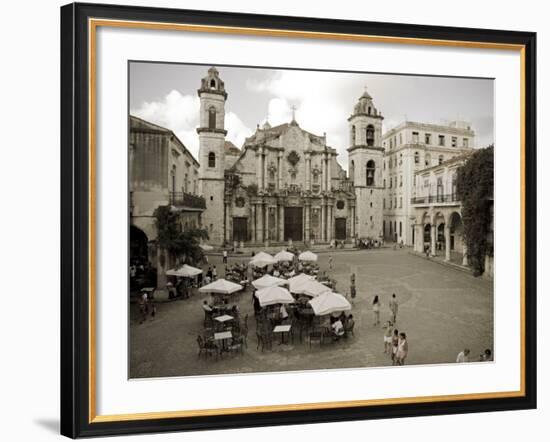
(268, 281)
(221, 286)
(307, 256)
(262, 259)
(185, 271)
(206, 247)
(283, 255)
(296, 283)
(328, 303)
(314, 288)
(274, 295)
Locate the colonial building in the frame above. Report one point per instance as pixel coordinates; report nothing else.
(437, 224)
(409, 148)
(285, 184)
(161, 172)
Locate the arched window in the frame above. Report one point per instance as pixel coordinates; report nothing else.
(368, 111)
(212, 118)
(370, 135)
(371, 168)
(440, 159)
(428, 160)
(416, 158)
(212, 84)
(353, 135)
(211, 159)
(352, 170)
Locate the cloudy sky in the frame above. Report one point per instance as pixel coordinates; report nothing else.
(166, 94)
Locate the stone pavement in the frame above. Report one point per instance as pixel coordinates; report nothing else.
(441, 309)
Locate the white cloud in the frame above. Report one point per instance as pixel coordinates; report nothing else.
(323, 101)
(237, 131)
(180, 114)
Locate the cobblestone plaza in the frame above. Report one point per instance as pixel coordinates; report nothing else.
(441, 308)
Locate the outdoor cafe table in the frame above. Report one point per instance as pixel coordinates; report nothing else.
(223, 336)
(223, 318)
(282, 329)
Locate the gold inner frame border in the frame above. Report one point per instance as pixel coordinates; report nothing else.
(93, 24)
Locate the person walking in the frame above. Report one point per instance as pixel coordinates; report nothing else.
(376, 310)
(463, 356)
(402, 349)
(330, 262)
(214, 274)
(224, 260)
(394, 307)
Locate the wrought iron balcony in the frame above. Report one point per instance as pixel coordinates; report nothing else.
(187, 200)
(435, 199)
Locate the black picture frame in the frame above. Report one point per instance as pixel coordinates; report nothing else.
(75, 220)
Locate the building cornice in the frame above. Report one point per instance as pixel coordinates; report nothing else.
(427, 127)
(212, 91)
(362, 114)
(201, 130)
(365, 147)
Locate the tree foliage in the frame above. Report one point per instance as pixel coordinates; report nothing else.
(170, 237)
(475, 190)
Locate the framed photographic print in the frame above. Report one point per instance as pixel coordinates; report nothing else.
(280, 220)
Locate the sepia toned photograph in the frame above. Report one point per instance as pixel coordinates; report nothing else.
(289, 220)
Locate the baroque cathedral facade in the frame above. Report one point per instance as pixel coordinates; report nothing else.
(285, 183)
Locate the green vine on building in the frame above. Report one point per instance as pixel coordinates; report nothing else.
(475, 180)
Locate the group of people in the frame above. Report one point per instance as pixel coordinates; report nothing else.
(393, 306)
(211, 275)
(395, 344)
(340, 324)
(464, 356)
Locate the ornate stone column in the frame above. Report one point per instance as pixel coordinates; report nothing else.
(308, 222)
(330, 222)
(323, 173)
(447, 243)
(433, 235)
(323, 221)
(308, 171)
(279, 170)
(253, 222)
(267, 224)
(419, 238)
(259, 169)
(259, 222)
(329, 173)
(264, 169)
(281, 221)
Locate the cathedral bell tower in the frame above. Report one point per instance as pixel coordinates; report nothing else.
(212, 152)
(366, 157)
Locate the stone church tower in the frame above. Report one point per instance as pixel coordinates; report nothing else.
(212, 153)
(366, 159)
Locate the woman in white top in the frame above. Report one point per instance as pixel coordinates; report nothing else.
(376, 310)
(402, 349)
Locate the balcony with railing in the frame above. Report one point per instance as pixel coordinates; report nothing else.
(432, 200)
(187, 200)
